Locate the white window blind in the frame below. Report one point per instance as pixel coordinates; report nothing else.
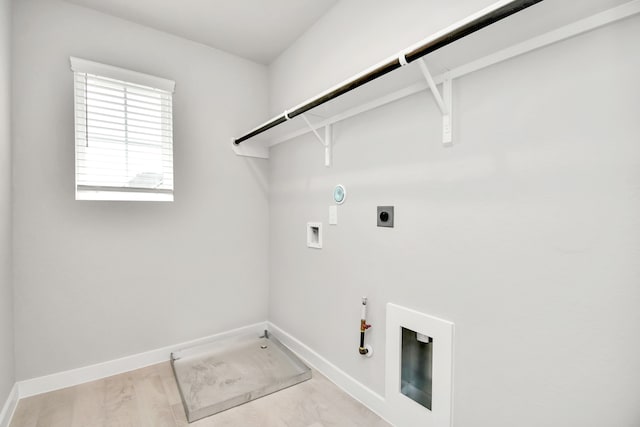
(123, 134)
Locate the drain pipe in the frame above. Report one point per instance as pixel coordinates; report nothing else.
(364, 350)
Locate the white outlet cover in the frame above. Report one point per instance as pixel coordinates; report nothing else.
(333, 215)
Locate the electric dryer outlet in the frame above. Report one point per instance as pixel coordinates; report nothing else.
(385, 216)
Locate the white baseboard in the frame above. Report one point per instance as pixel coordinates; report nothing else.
(34, 386)
(357, 390)
(9, 407)
(98, 371)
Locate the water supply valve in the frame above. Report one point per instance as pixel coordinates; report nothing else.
(365, 350)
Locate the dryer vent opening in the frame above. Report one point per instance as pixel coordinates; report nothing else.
(417, 367)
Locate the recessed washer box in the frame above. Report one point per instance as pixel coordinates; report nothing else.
(314, 235)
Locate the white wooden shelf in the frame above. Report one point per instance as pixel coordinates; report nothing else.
(540, 25)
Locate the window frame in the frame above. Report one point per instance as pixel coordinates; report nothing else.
(126, 77)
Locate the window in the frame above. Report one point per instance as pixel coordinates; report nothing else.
(123, 134)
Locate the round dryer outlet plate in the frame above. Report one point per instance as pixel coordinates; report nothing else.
(339, 194)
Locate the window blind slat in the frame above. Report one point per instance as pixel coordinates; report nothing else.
(112, 177)
(130, 97)
(122, 103)
(107, 157)
(158, 117)
(96, 137)
(93, 97)
(105, 188)
(134, 150)
(106, 154)
(122, 122)
(99, 148)
(114, 162)
(104, 117)
(124, 127)
(107, 171)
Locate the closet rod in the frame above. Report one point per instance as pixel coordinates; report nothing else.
(431, 45)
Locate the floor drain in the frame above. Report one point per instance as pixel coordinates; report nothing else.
(263, 346)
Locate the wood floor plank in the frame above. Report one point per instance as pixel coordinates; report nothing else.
(153, 405)
(179, 415)
(88, 406)
(57, 409)
(28, 411)
(120, 402)
(149, 397)
(169, 382)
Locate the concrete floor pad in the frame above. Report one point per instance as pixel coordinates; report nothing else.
(214, 378)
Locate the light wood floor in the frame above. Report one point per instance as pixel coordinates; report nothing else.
(149, 397)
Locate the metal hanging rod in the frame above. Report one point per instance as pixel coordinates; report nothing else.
(491, 15)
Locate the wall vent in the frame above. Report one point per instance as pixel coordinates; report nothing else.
(419, 368)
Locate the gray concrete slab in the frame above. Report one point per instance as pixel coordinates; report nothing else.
(235, 372)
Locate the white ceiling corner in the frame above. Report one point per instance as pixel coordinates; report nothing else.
(254, 29)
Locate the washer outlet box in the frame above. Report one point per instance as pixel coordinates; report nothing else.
(314, 235)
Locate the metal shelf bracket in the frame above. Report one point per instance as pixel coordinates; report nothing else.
(326, 141)
(443, 101)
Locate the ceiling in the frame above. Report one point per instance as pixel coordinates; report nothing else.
(258, 30)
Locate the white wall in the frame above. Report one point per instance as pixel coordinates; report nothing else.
(526, 233)
(98, 280)
(6, 293)
(350, 37)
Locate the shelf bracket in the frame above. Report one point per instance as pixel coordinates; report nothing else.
(443, 101)
(326, 141)
(259, 150)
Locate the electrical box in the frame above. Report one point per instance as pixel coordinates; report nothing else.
(385, 216)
